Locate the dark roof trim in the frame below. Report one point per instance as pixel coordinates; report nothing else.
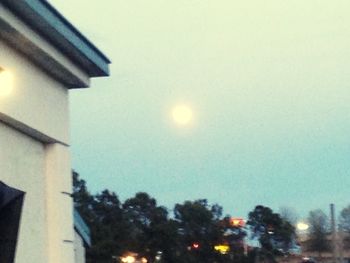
(49, 23)
(81, 227)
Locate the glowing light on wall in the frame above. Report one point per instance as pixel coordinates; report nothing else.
(6, 83)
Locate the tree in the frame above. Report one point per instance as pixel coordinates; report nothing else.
(233, 236)
(151, 230)
(273, 233)
(318, 231)
(200, 230)
(104, 216)
(344, 225)
(109, 229)
(289, 214)
(82, 198)
(344, 220)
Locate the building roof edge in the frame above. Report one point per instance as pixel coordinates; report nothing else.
(49, 23)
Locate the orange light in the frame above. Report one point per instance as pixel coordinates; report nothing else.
(237, 222)
(128, 259)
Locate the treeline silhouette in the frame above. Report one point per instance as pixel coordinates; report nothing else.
(192, 233)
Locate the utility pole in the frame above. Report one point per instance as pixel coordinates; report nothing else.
(334, 234)
(341, 245)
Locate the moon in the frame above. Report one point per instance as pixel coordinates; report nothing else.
(182, 114)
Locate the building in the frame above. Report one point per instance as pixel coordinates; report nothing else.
(341, 254)
(42, 57)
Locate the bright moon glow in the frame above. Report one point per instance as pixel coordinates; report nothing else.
(182, 114)
(6, 83)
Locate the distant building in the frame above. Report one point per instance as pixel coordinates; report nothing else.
(342, 250)
(42, 57)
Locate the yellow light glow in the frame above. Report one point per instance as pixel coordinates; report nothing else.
(128, 259)
(302, 226)
(6, 83)
(223, 249)
(182, 114)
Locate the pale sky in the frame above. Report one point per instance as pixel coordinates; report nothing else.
(268, 83)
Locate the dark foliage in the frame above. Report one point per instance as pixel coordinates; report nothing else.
(274, 233)
(140, 225)
(344, 220)
(318, 231)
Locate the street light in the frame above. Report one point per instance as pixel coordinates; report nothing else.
(128, 259)
(6, 82)
(302, 226)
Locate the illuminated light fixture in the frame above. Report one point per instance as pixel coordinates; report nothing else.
(128, 259)
(6, 82)
(222, 249)
(237, 222)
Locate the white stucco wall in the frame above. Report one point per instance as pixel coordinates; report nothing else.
(38, 104)
(43, 172)
(22, 166)
(37, 100)
(59, 204)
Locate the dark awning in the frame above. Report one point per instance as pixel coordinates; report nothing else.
(8, 194)
(11, 201)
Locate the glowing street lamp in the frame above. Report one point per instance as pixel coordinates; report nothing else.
(6, 83)
(128, 259)
(132, 258)
(302, 226)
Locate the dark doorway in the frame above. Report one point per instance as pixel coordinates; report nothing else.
(11, 202)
